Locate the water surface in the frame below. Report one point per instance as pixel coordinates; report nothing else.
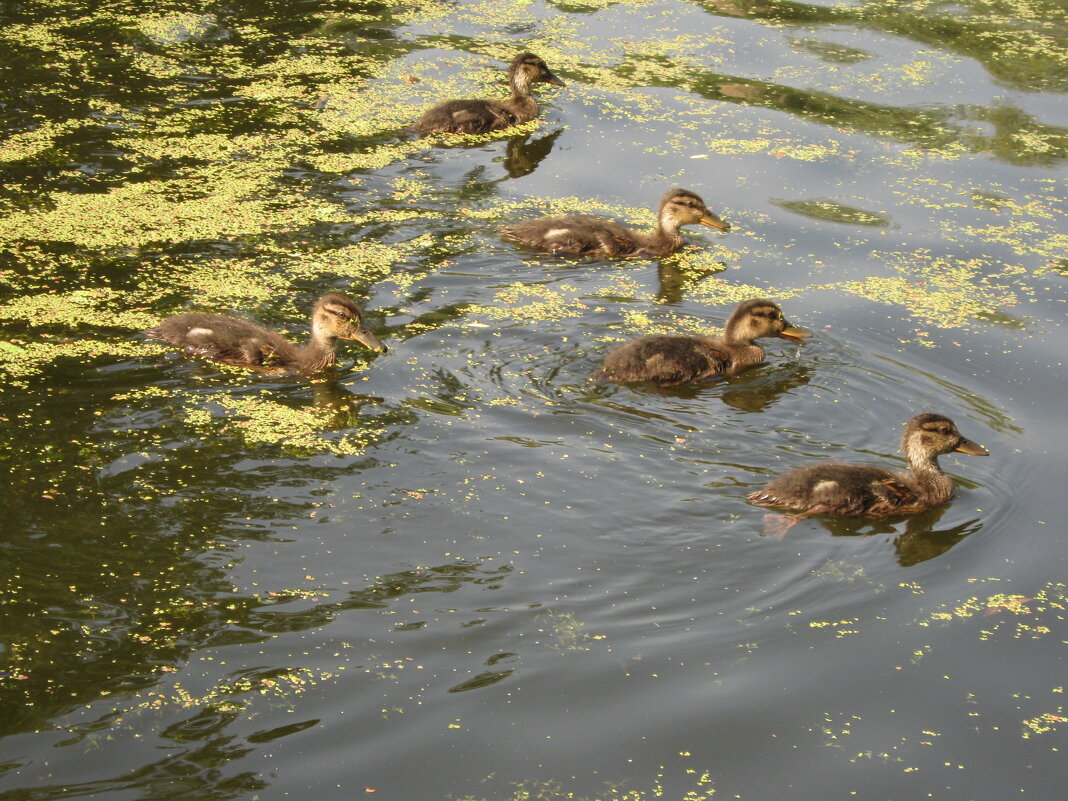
(458, 569)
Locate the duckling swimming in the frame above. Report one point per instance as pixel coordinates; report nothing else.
(595, 236)
(231, 340)
(671, 360)
(482, 116)
(861, 491)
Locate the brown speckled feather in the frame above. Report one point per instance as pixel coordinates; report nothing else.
(850, 490)
(666, 359)
(467, 116)
(225, 339)
(576, 235)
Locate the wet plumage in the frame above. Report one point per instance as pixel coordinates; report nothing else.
(481, 116)
(862, 491)
(231, 340)
(671, 360)
(596, 236)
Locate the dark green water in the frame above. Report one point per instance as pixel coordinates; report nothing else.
(459, 570)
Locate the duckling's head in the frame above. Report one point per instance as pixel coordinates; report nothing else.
(928, 435)
(680, 207)
(762, 318)
(527, 68)
(337, 316)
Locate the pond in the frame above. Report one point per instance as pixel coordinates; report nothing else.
(460, 569)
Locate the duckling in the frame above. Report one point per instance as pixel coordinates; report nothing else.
(594, 236)
(482, 116)
(671, 360)
(861, 491)
(231, 340)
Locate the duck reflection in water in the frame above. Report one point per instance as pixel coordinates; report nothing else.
(754, 391)
(523, 156)
(921, 540)
(762, 388)
(338, 408)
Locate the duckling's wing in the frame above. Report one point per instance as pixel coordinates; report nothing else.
(573, 235)
(596, 236)
(685, 360)
(894, 496)
(219, 338)
(465, 116)
(664, 359)
(841, 489)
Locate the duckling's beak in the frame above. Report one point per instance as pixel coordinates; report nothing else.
(554, 80)
(967, 446)
(712, 221)
(365, 337)
(793, 334)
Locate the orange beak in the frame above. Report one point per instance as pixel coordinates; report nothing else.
(712, 221)
(793, 334)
